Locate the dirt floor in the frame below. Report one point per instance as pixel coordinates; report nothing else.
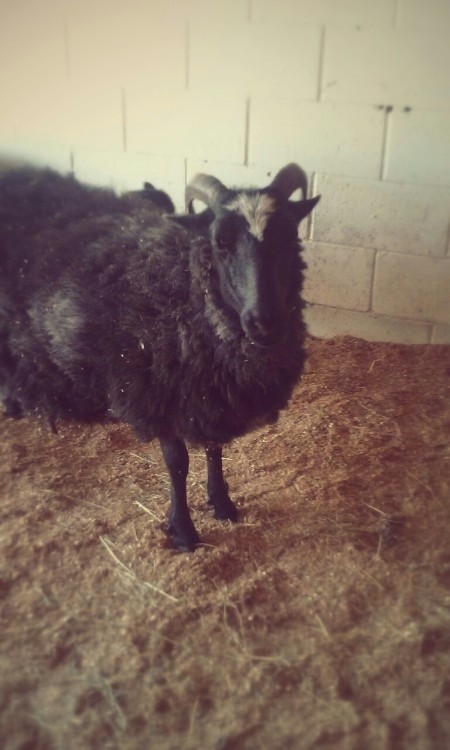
(321, 620)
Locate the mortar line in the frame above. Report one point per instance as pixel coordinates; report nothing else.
(374, 278)
(385, 142)
(185, 169)
(372, 281)
(187, 54)
(123, 102)
(397, 13)
(311, 192)
(247, 131)
(66, 45)
(321, 69)
(313, 185)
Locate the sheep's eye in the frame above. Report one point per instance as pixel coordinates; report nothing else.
(226, 232)
(224, 243)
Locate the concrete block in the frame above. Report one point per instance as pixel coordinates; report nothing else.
(127, 171)
(412, 287)
(419, 147)
(36, 111)
(16, 152)
(265, 60)
(32, 44)
(389, 66)
(321, 136)
(338, 276)
(118, 43)
(92, 117)
(8, 112)
(71, 115)
(441, 334)
(193, 125)
(218, 12)
(415, 14)
(382, 215)
(327, 322)
(32, 64)
(344, 12)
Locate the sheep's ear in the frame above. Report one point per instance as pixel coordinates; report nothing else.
(301, 209)
(192, 222)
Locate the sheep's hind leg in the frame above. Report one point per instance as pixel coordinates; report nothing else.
(218, 496)
(180, 527)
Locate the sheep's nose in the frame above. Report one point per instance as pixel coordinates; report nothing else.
(262, 330)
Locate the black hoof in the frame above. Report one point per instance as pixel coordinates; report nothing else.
(184, 540)
(224, 509)
(12, 408)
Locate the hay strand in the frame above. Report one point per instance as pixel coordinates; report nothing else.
(106, 543)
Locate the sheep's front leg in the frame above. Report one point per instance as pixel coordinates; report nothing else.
(218, 496)
(12, 408)
(181, 528)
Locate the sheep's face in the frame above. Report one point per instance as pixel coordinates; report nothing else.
(255, 251)
(254, 242)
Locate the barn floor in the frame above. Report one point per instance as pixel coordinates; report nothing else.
(320, 621)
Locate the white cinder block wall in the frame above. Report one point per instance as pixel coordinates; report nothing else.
(356, 91)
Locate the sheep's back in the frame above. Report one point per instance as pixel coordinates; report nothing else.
(78, 276)
(108, 315)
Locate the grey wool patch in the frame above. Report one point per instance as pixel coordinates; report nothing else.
(61, 320)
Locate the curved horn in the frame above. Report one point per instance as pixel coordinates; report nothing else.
(204, 187)
(289, 179)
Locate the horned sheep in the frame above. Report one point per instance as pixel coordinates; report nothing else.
(186, 327)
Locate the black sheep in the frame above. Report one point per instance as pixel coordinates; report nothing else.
(188, 328)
